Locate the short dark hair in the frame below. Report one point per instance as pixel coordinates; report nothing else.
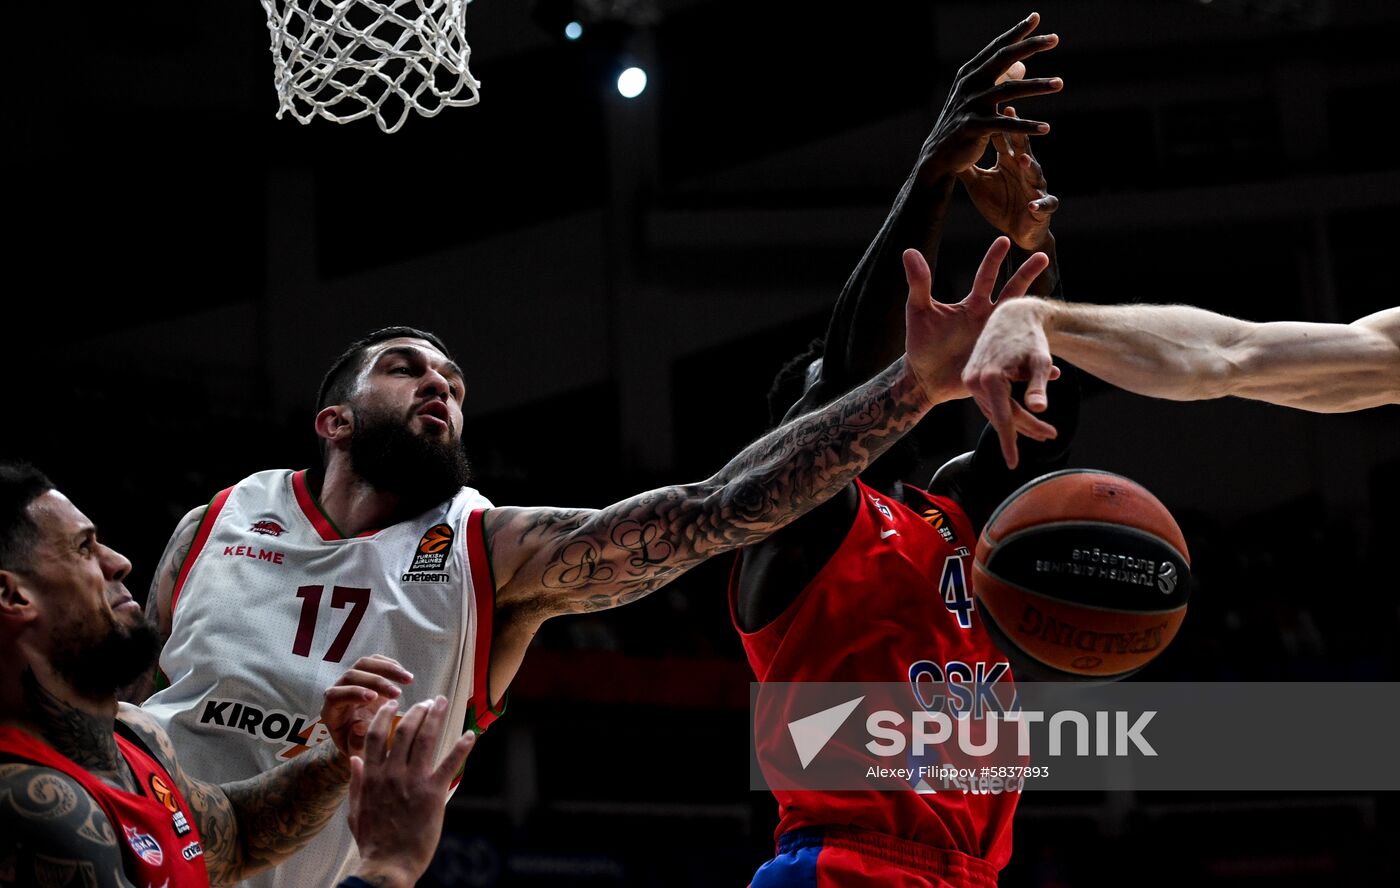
(336, 384)
(20, 485)
(790, 383)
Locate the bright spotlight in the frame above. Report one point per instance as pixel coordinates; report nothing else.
(573, 30)
(631, 82)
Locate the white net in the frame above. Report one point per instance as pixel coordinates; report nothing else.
(348, 59)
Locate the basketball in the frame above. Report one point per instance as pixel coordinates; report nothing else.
(1082, 575)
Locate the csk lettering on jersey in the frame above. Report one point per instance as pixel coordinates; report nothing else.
(294, 732)
(430, 556)
(144, 845)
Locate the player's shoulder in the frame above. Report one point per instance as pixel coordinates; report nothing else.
(142, 727)
(26, 784)
(472, 499)
(37, 795)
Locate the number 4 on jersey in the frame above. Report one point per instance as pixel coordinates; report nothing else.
(953, 587)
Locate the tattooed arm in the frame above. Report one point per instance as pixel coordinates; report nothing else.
(158, 600)
(53, 833)
(256, 823)
(554, 561)
(250, 825)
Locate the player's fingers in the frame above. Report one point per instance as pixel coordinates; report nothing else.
(1021, 281)
(986, 277)
(338, 695)
(377, 740)
(454, 760)
(359, 678)
(997, 123)
(920, 279)
(1015, 72)
(1046, 205)
(1004, 151)
(1036, 399)
(1007, 37)
(385, 666)
(407, 730)
(1012, 90)
(357, 775)
(1031, 426)
(1001, 60)
(1020, 142)
(425, 744)
(992, 392)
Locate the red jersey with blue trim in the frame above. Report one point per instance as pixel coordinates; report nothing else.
(159, 843)
(893, 604)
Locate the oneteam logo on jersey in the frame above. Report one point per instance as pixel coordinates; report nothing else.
(191, 851)
(145, 845)
(430, 558)
(268, 528)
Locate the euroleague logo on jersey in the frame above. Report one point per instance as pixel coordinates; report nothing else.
(430, 557)
(939, 522)
(162, 792)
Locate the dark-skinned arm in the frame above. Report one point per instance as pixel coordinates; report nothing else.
(866, 331)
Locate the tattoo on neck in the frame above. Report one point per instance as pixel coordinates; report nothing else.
(84, 738)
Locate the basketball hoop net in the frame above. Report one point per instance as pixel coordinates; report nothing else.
(348, 59)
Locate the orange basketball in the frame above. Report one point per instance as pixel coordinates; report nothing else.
(1082, 575)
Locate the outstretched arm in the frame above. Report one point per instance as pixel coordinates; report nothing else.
(553, 561)
(866, 331)
(1185, 354)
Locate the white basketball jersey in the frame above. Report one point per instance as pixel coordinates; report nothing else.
(272, 605)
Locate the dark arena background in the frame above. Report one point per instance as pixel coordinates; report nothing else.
(620, 280)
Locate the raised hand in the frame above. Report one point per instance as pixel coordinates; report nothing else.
(970, 117)
(398, 791)
(1011, 194)
(354, 699)
(940, 337)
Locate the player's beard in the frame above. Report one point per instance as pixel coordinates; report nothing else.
(98, 662)
(422, 471)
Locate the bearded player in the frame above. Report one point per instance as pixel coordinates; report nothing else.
(286, 575)
(874, 585)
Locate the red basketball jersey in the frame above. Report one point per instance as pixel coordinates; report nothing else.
(155, 830)
(893, 604)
